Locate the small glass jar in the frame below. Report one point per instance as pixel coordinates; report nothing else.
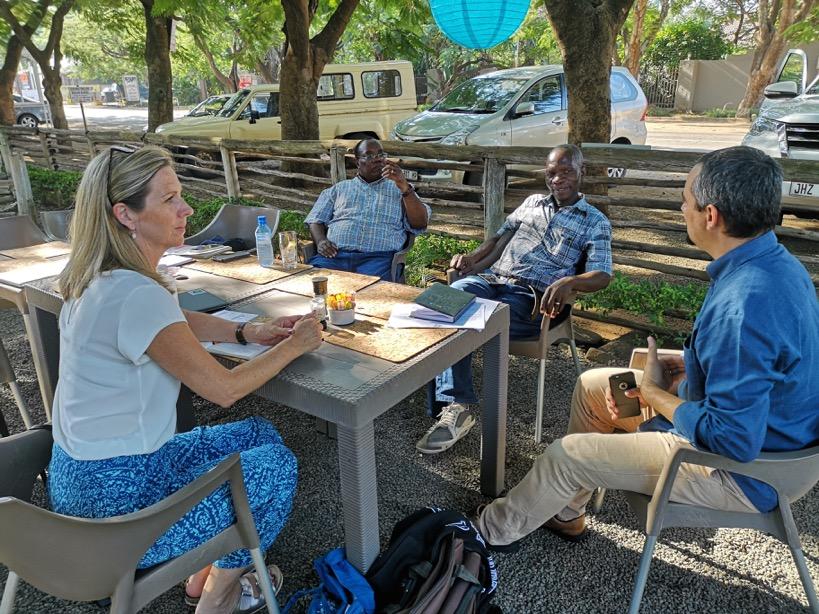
(318, 306)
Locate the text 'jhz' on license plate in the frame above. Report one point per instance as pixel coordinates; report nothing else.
(803, 189)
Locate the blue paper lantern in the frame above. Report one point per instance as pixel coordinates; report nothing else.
(479, 24)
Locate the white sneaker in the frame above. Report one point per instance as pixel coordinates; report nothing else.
(453, 424)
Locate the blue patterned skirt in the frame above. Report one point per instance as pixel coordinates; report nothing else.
(125, 484)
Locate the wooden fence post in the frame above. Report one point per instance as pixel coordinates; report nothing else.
(494, 186)
(231, 173)
(338, 168)
(22, 185)
(51, 161)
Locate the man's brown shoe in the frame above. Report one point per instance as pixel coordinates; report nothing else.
(570, 530)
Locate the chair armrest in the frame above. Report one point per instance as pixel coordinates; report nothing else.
(791, 474)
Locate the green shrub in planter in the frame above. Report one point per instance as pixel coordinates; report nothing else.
(53, 189)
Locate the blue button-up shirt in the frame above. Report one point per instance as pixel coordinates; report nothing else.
(549, 242)
(364, 217)
(752, 363)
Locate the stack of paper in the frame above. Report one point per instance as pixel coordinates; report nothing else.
(474, 318)
(235, 350)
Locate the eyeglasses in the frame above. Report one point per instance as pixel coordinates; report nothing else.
(376, 156)
(111, 150)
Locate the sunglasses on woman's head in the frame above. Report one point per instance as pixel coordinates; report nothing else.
(111, 150)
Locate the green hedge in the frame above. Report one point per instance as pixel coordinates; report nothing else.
(53, 189)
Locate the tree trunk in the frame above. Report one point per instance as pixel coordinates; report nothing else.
(297, 94)
(52, 80)
(588, 67)
(158, 61)
(774, 19)
(634, 48)
(14, 50)
(303, 63)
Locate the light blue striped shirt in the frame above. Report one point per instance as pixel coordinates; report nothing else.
(364, 217)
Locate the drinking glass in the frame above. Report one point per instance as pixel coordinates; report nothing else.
(288, 248)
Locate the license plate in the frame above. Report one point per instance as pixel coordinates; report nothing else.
(411, 175)
(803, 189)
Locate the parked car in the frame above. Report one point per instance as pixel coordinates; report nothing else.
(209, 106)
(354, 101)
(788, 127)
(29, 112)
(522, 107)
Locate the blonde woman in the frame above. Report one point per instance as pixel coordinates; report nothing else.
(125, 346)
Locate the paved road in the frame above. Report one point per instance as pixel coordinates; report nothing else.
(662, 132)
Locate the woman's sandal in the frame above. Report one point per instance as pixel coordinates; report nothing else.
(276, 578)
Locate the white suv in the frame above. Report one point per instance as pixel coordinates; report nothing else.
(522, 107)
(788, 127)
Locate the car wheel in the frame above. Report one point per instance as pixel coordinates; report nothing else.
(27, 120)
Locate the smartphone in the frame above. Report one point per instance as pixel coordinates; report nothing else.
(233, 256)
(619, 383)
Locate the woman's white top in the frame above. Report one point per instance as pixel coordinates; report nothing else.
(111, 398)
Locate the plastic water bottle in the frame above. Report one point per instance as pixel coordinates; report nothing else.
(264, 242)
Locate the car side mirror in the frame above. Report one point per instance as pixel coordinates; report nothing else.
(525, 108)
(782, 89)
(254, 115)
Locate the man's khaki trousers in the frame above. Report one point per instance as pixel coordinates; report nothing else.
(592, 455)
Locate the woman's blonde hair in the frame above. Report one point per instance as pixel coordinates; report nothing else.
(98, 241)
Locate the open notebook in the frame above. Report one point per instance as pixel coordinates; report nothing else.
(235, 350)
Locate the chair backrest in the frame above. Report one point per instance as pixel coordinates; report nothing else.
(55, 223)
(23, 456)
(88, 559)
(20, 231)
(638, 356)
(236, 221)
(792, 474)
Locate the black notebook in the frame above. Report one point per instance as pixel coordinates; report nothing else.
(442, 303)
(201, 300)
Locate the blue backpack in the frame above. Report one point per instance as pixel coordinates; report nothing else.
(341, 589)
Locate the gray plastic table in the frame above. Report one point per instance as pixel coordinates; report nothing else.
(350, 390)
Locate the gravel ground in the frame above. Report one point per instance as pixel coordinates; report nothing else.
(693, 571)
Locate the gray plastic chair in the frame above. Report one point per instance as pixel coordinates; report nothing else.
(20, 231)
(538, 348)
(55, 223)
(236, 221)
(7, 377)
(792, 474)
(89, 560)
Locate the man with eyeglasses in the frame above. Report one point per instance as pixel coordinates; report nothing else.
(531, 264)
(359, 224)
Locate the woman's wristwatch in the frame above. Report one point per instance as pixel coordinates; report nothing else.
(240, 333)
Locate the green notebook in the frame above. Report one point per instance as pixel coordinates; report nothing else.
(442, 303)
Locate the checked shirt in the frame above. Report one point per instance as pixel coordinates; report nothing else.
(364, 217)
(549, 242)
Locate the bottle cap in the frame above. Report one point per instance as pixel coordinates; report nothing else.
(262, 219)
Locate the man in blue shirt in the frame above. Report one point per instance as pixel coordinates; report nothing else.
(747, 383)
(358, 224)
(531, 265)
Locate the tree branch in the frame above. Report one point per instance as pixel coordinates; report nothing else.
(334, 28)
(297, 27)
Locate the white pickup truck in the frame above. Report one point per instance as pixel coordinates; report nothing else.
(788, 126)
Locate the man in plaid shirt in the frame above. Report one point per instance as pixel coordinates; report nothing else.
(531, 264)
(360, 223)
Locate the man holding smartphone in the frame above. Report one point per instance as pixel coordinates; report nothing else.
(359, 224)
(746, 384)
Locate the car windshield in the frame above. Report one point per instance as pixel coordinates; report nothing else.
(233, 103)
(481, 95)
(813, 88)
(209, 106)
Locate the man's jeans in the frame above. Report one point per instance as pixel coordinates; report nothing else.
(455, 384)
(378, 264)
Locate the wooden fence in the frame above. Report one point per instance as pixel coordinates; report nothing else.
(470, 188)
